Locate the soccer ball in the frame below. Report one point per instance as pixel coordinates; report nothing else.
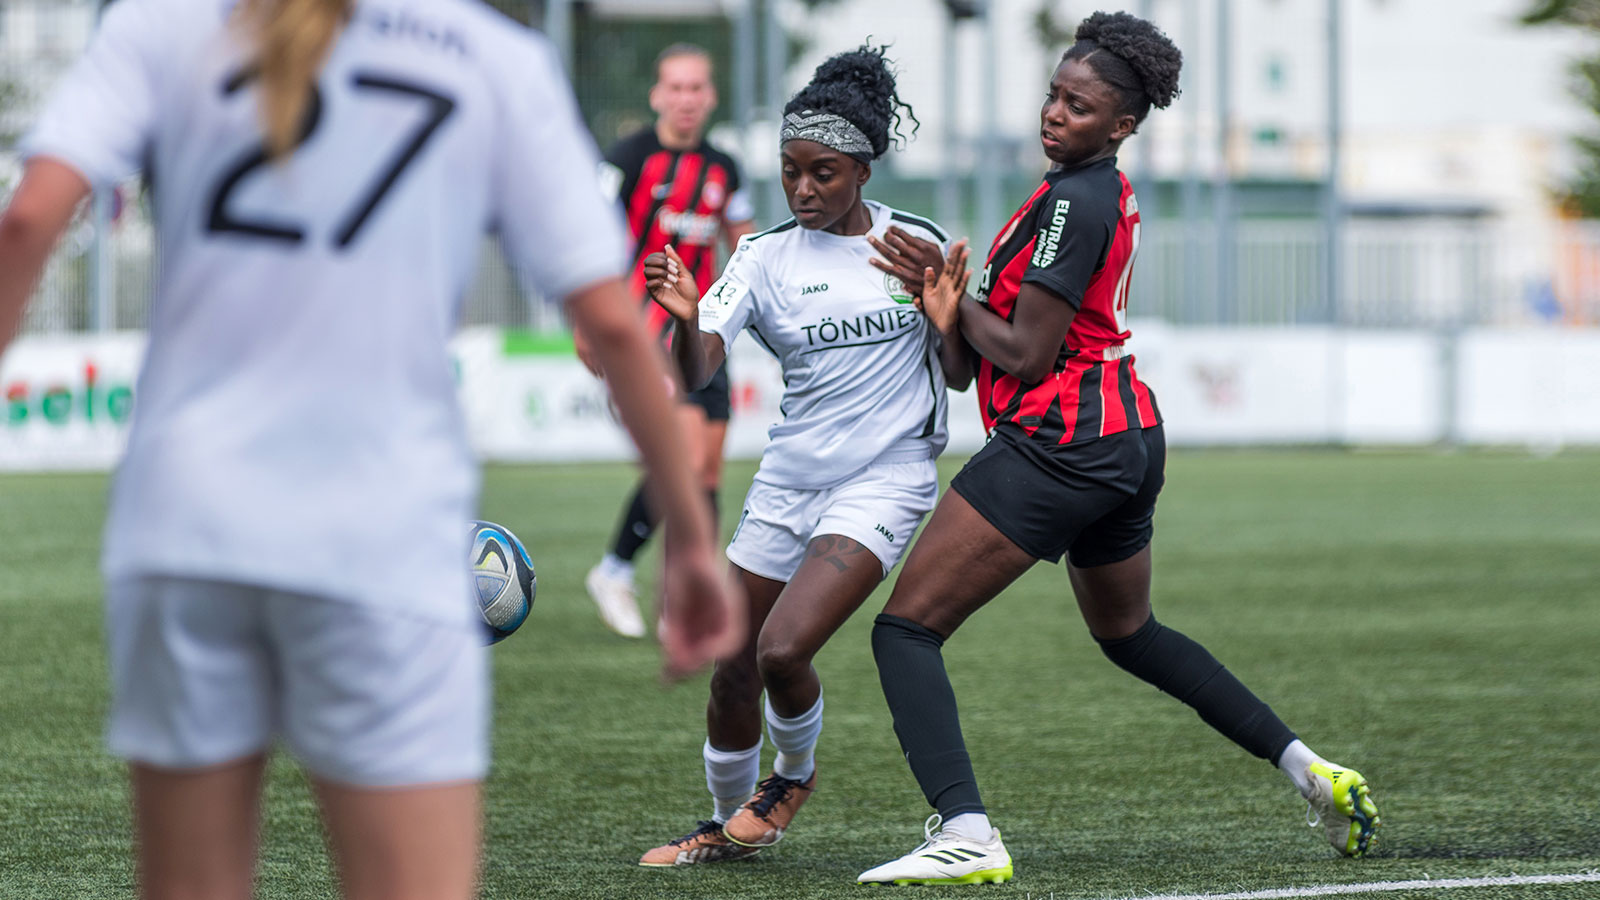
(502, 579)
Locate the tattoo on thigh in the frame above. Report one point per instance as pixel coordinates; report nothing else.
(838, 550)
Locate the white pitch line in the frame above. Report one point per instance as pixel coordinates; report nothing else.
(1379, 887)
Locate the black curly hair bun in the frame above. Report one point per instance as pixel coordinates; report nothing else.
(1150, 61)
(859, 86)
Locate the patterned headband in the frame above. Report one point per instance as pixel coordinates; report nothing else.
(829, 130)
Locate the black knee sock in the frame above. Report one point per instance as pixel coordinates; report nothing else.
(1178, 666)
(924, 710)
(638, 522)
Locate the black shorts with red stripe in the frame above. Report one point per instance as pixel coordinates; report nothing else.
(1093, 501)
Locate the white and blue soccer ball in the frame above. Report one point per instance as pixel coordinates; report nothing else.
(502, 579)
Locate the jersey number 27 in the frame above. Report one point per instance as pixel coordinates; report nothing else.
(222, 220)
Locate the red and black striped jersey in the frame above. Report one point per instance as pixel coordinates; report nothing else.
(1076, 237)
(678, 197)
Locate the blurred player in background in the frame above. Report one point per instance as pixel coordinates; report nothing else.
(285, 548)
(1074, 463)
(848, 474)
(675, 188)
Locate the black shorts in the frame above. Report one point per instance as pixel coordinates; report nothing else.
(716, 398)
(1093, 500)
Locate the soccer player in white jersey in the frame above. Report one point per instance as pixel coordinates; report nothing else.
(847, 475)
(285, 551)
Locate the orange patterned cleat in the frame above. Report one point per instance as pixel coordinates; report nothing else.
(705, 844)
(761, 821)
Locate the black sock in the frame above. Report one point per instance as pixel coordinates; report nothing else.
(638, 522)
(1177, 665)
(924, 709)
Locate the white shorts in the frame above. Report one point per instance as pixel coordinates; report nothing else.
(206, 672)
(880, 506)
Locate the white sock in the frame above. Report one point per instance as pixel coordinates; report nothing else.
(731, 777)
(614, 566)
(972, 826)
(796, 740)
(1295, 759)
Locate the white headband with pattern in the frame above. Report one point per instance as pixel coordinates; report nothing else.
(829, 130)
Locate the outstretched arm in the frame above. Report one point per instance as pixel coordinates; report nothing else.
(32, 223)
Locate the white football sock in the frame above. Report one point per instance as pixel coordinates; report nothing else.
(614, 566)
(796, 740)
(1294, 760)
(972, 826)
(731, 777)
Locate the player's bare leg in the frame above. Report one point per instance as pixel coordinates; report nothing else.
(196, 831)
(733, 714)
(415, 843)
(1114, 599)
(733, 739)
(711, 449)
(834, 579)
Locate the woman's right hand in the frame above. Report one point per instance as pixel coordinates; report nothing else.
(670, 285)
(942, 292)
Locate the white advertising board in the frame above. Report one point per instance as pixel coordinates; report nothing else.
(68, 399)
(1529, 386)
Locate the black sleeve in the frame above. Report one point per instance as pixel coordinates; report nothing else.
(1076, 226)
(628, 157)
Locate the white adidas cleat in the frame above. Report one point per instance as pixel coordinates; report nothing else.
(619, 608)
(945, 859)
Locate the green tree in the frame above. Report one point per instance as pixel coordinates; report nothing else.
(1581, 193)
(11, 98)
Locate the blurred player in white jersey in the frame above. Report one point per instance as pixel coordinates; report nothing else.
(849, 472)
(286, 539)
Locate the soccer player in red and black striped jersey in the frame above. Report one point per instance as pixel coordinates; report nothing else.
(674, 188)
(1073, 466)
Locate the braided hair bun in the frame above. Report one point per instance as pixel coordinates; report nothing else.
(1138, 60)
(858, 86)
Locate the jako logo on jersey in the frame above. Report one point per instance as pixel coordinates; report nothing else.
(1050, 238)
(841, 332)
(813, 289)
(885, 532)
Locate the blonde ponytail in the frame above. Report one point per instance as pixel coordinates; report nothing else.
(292, 38)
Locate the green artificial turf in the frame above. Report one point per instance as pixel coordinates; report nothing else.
(1430, 619)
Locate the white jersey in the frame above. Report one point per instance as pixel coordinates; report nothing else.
(861, 373)
(297, 423)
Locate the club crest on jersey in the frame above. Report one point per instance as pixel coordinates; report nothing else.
(1049, 243)
(896, 288)
(713, 195)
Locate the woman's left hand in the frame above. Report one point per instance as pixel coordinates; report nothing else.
(905, 256)
(942, 291)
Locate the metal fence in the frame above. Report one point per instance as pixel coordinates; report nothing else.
(1418, 272)
(1397, 274)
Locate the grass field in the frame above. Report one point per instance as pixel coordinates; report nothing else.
(1430, 619)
